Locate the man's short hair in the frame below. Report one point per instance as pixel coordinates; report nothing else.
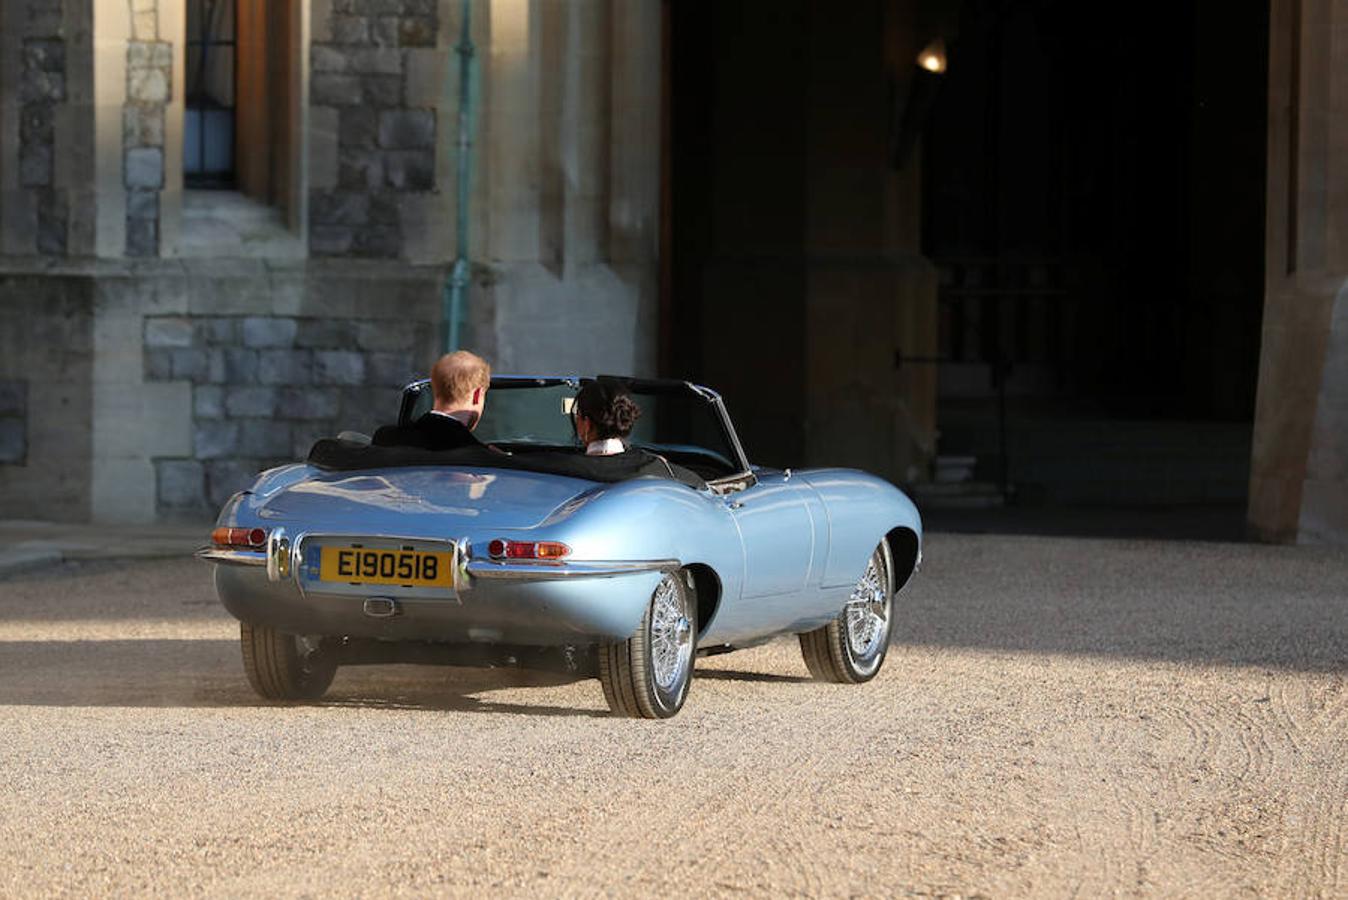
(456, 375)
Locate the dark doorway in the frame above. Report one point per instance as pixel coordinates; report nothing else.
(1095, 202)
(1091, 192)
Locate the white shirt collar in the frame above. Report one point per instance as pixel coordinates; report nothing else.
(607, 447)
(456, 416)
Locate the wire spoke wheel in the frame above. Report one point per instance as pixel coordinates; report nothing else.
(851, 648)
(867, 612)
(648, 675)
(671, 635)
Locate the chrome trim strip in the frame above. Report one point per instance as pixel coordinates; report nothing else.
(279, 562)
(719, 406)
(233, 557)
(551, 571)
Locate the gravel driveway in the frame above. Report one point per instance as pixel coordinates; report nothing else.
(1057, 717)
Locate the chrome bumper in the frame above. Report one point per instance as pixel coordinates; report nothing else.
(542, 570)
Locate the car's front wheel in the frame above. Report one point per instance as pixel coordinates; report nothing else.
(647, 676)
(851, 648)
(284, 666)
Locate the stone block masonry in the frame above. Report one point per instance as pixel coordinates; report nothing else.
(264, 388)
(385, 147)
(13, 422)
(149, 86)
(42, 92)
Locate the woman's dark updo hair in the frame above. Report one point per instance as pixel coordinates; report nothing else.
(609, 407)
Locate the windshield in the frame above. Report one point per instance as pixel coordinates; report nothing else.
(676, 421)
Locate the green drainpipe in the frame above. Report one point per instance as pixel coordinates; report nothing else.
(456, 288)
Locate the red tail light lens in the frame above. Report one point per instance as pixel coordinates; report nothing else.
(240, 538)
(503, 549)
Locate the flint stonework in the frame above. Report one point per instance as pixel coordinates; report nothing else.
(213, 440)
(145, 168)
(268, 332)
(13, 441)
(338, 367)
(191, 364)
(384, 335)
(350, 30)
(326, 334)
(306, 403)
(41, 89)
(407, 129)
(215, 331)
(143, 126)
(208, 402)
(226, 477)
(158, 365)
(384, 31)
(250, 401)
(169, 331)
(391, 369)
(264, 437)
(13, 398)
(417, 31)
(142, 204)
(282, 367)
(240, 365)
(142, 237)
(410, 170)
(328, 89)
(180, 484)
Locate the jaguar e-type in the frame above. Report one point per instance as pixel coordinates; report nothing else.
(528, 553)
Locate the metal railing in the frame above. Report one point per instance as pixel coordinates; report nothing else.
(1000, 313)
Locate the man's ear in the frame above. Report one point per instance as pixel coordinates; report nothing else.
(477, 396)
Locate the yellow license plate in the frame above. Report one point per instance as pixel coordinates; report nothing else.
(406, 568)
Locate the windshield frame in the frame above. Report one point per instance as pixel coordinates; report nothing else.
(742, 478)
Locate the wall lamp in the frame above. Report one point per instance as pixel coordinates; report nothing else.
(915, 109)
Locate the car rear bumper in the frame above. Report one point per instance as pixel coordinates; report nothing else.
(491, 602)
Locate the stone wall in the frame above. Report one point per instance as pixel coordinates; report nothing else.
(42, 91)
(241, 366)
(264, 388)
(13, 422)
(386, 145)
(45, 401)
(1298, 473)
(149, 80)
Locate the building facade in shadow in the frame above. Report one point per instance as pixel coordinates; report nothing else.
(991, 249)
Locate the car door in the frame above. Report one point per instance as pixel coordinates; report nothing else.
(778, 534)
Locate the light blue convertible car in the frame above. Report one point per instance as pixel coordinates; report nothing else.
(530, 554)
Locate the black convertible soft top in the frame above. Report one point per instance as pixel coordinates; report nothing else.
(339, 455)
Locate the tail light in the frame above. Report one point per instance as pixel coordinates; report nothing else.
(240, 538)
(503, 549)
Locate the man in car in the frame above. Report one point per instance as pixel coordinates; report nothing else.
(459, 383)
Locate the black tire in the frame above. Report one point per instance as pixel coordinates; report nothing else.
(629, 669)
(831, 655)
(279, 669)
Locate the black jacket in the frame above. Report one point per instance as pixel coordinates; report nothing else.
(431, 432)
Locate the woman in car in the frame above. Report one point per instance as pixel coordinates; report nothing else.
(604, 414)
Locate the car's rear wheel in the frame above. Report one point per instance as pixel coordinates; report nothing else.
(852, 647)
(284, 666)
(647, 676)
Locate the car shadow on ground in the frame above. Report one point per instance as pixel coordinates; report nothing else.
(738, 675)
(208, 673)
